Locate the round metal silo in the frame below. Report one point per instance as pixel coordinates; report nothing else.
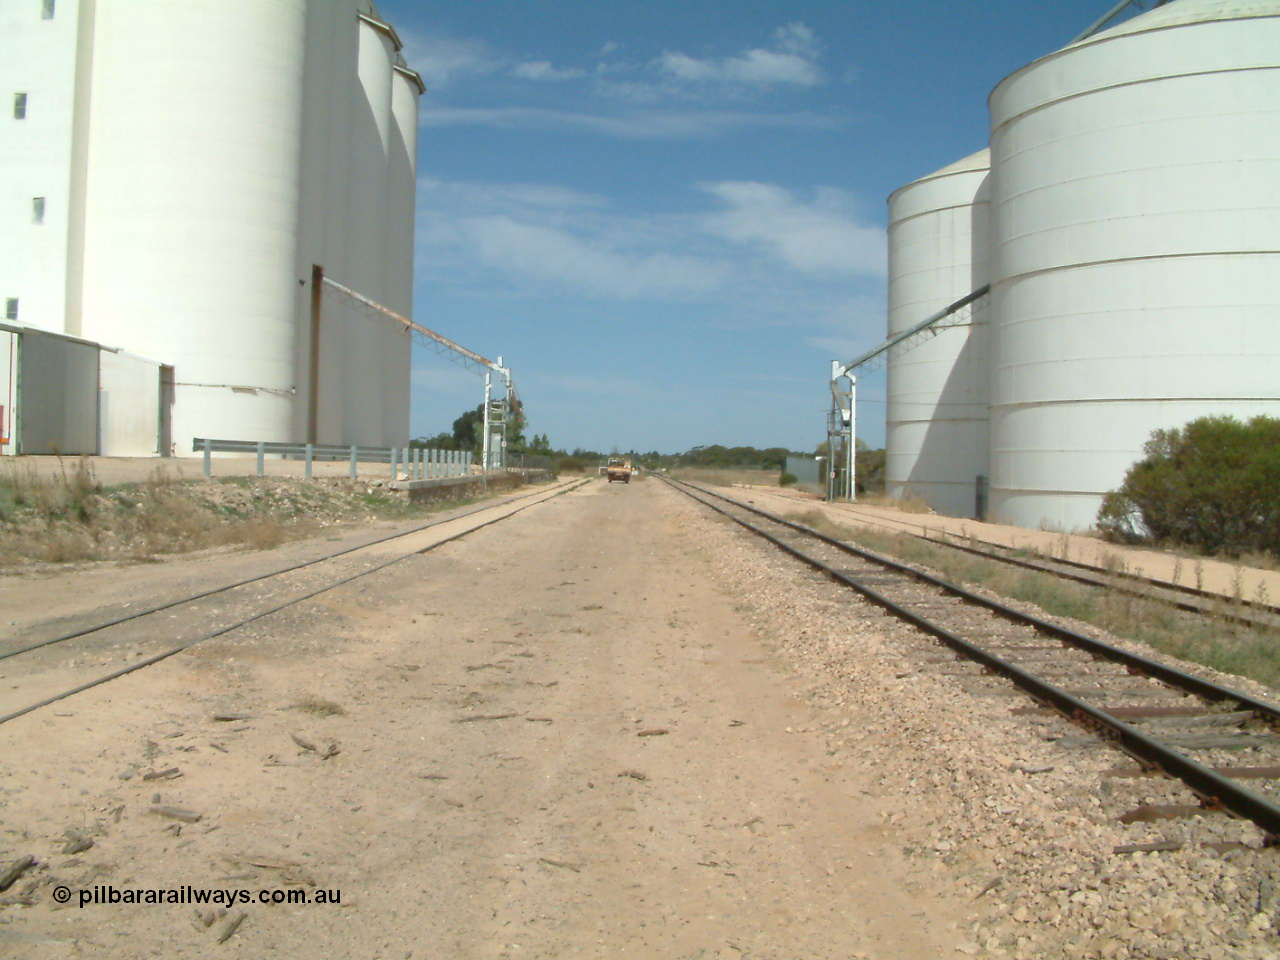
(191, 203)
(936, 431)
(1136, 224)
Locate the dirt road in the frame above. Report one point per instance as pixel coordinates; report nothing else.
(560, 736)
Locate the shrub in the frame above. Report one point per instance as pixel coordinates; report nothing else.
(1213, 485)
(787, 479)
(572, 465)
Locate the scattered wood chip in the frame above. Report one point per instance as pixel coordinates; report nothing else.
(332, 750)
(535, 683)
(217, 746)
(171, 773)
(737, 723)
(16, 869)
(76, 844)
(231, 717)
(484, 666)
(539, 719)
(486, 716)
(564, 865)
(432, 776)
(991, 885)
(304, 744)
(177, 813)
(231, 926)
(655, 732)
(451, 802)
(634, 775)
(1030, 768)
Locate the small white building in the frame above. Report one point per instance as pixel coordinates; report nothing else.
(170, 172)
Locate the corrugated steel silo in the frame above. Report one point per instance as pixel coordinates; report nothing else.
(1136, 219)
(936, 435)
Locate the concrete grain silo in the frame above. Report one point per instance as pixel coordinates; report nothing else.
(1135, 203)
(936, 435)
(193, 160)
(402, 188)
(192, 202)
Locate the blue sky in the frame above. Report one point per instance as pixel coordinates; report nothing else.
(668, 217)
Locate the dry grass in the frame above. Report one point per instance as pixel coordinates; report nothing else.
(1215, 641)
(909, 503)
(727, 478)
(320, 707)
(70, 517)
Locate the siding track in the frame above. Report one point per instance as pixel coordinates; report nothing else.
(1154, 712)
(485, 516)
(1262, 616)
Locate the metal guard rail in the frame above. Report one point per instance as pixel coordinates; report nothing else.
(417, 462)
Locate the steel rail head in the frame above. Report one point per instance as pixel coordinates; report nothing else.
(164, 655)
(147, 611)
(1171, 675)
(1214, 789)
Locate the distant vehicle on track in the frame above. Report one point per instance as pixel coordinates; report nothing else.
(618, 469)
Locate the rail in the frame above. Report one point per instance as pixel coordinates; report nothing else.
(1215, 789)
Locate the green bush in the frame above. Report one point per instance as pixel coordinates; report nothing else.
(571, 465)
(1213, 485)
(787, 479)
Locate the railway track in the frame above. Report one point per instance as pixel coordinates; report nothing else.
(105, 641)
(1173, 723)
(1251, 613)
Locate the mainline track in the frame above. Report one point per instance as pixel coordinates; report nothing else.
(541, 496)
(1009, 642)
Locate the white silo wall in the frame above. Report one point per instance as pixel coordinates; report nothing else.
(192, 203)
(367, 341)
(936, 430)
(38, 59)
(331, 86)
(1136, 217)
(402, 166)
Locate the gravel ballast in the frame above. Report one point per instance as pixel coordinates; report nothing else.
(1030, 826)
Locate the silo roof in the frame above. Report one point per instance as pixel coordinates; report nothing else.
(1185, 12)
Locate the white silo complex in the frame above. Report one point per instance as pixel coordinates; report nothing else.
(936, 434)
(214, 150)
(1136, 221)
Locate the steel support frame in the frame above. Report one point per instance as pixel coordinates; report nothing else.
(842, 437)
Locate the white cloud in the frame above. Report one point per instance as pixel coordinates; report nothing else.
(791, 61)
(443, 59)
(475, 197)
(563, 258)
(820, 237)
(543, 70)
(640, 125)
